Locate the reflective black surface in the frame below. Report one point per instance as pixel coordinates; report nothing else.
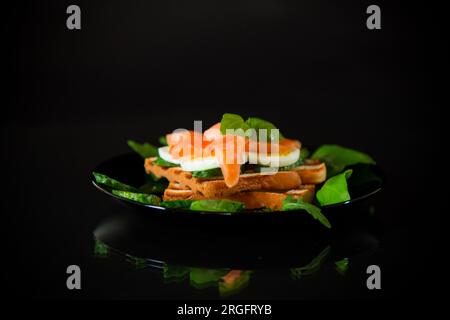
(236, 244)
(224, 259)
(138, 69)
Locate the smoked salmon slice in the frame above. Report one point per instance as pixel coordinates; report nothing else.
(231, 173)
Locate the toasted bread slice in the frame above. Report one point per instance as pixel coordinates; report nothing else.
(251, 199)
(213, 188)
(312, 172)
(272, 200)
(177, 194)
(177, 186)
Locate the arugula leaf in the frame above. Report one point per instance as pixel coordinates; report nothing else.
(335, 189)
(112, 183)
(297, 204)
(163, 163)
(145, 150)
(232, 121)
(258, 123)
(217, 206)
(177, 204)
(138, 197)
(163, 141)
(215, 172)
(337, 158)
(342, 266)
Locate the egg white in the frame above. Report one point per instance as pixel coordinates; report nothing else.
(199, 164)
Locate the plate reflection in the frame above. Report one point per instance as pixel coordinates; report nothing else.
(212, 256)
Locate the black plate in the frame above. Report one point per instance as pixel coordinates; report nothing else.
(201, 242)
(365, 181)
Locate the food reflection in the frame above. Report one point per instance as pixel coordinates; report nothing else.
(313, 266)
(227, 281)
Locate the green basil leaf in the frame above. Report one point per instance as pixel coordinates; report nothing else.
(163, 163)
(232, 121)
(217, 206)
(334, 189)
(138, 197)
(177, 204)
(112, 183)
(145, 150)
(215, 172)
(297, 204)
(337, 158)
(258, 123)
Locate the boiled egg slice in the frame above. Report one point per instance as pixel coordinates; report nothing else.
(199, 164)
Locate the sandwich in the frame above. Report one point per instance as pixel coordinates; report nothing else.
(245, 161)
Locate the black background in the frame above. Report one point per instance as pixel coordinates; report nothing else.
(139, 69)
